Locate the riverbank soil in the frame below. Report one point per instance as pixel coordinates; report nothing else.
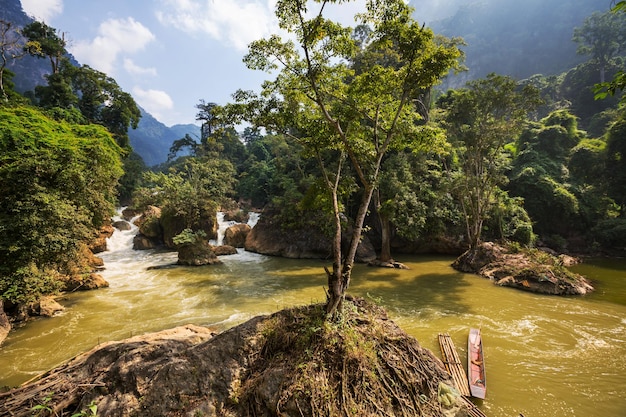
(526, 269)
(291, 363)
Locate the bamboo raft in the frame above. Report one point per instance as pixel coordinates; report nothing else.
(473, 410)
(453, 364)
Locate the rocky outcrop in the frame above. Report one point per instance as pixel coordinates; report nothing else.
(236, 235)
(158, 228)
(150, 223)
(269, 237)
(224, 250)
(122, 225)
(99, 243)
(45, 307)
(197, 254)
(285, 364)
(528, 270)
(83, 283)
(5, 324)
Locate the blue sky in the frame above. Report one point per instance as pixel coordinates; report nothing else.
(169, 54)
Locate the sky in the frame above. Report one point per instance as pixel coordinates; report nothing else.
(170, 54)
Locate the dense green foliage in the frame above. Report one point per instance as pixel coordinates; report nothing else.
(57, 185)
(352, 135)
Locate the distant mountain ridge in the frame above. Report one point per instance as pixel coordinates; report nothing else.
(151, 140)
(518, 38)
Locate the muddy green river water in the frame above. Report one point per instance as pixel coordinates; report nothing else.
(545, 356)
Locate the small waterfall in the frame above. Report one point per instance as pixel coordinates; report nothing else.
(222, 225)
(122, 239)
(253, 218)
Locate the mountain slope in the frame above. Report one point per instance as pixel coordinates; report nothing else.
(152, 139)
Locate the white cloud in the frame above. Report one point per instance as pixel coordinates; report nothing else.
(115, 36)
(235, 22)
(43, 10)
(155, 102)
(134, 69)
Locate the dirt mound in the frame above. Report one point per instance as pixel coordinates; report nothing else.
(292, 363)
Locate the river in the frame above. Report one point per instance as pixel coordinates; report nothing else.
(545, 356)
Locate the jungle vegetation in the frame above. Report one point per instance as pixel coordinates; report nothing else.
(352, 129)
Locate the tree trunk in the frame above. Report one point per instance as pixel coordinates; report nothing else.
(385, 249)
(385, 231)
(339, 279)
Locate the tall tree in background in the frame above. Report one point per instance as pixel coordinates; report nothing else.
(10, 48)
(603, 36)
(618, 83)
(44, 42)
(481, 119)
(318, 99)
(206, 115)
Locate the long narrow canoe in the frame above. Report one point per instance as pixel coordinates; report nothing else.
(476, 364)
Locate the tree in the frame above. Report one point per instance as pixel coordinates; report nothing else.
(207, 116)
(540, 173)
(616, 163)
(10, 48)
(331, 110)
(57, 186)
(481, 118)
(618, 83)
(44, 42)
(602, 36)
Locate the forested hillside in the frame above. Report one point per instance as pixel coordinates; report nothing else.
(517, 38)
(58, 187)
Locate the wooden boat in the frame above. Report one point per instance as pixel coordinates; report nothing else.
(476, 364)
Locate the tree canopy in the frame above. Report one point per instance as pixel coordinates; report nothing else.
(328, 106)
(57, 186)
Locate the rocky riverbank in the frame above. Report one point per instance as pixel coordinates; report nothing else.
(290, 363)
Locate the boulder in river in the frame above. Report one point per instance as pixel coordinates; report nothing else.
(236, 235)
(271, 237)
(291, 363)
(526, 269)
(198, 254)
(5, 324)
(122, 225)
(46, 307)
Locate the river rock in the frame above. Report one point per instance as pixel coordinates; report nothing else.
(5, 324)
(122, 225)
(528, 270)
(129, 213)
(238, 216)
(149, 223)
(99, 243)
(84, 283)
(236, 235)
(141, 242)
(197, 255)
(46, 307)
(270, 365)
(223, 250)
